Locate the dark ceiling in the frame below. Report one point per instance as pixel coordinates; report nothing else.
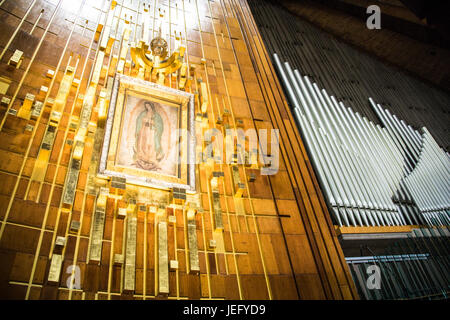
(435, 12)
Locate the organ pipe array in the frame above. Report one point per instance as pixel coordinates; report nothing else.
(372, 175)
(427, 170)
(350, 74)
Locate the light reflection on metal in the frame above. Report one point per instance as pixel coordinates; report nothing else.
(163, 259)
(156, 57)
(371, 175)
(194, 264)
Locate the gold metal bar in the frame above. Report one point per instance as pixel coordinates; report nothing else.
(72, 174)
(40, 165)
(85, 117)
(55, 268)
(239, 187)
(98, 225)
(107, 41)
(183, 76)
(63, 93)
(163, 259)
(218, 222)
(25, 110)
(4, 84)
(124, 49)
(203, 97)
(5, 101)
(194, 264)
(130, 251)
(97, 70)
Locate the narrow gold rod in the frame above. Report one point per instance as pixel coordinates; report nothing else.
(144, 284)
(177, 273)
(185, 33)
(85, 27)
(155, 246)
(154, 22)
(37, 21)
(208, 271)
(111, 255)
(77, 236)
(169, 42)
(124, 245)
(207, 183)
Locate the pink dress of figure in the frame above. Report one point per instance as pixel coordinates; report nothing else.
(145, 143)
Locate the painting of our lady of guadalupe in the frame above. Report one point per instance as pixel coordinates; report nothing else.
(148, 136)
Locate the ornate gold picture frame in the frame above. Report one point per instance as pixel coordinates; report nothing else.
(149, 135)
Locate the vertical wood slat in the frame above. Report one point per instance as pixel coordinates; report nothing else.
(163, 259)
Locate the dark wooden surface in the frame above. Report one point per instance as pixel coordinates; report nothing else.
(283, 247)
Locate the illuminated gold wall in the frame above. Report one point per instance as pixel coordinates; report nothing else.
(277, 242)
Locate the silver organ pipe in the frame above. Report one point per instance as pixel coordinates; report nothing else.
(372, 175)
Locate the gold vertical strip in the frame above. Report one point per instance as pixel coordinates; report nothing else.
(36, 22)
(124, 49)
(163, 259)
(144, 285)
(63, 93)
(155, 246)
(111, 253)
(130, 251)
(106, 41)
(70, 183)
(218, 222)
(238, 189)
(98, 225)
(194, 264)
(186, 241)
(55, 268)
(175, 243)
(208, 273)
(205, 92)
(77, 242)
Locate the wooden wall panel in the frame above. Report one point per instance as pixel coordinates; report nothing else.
(277, 241)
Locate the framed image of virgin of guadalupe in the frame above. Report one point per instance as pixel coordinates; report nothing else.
(149, 135)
